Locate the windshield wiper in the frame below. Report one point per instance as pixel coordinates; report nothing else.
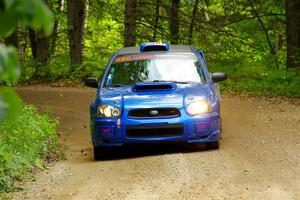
(178, 82)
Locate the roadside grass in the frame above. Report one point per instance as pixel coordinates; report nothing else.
(260, 80)
(26, 144)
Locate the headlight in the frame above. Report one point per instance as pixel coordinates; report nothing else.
(198, 107)
(108, 111)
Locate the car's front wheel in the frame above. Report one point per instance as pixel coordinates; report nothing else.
(212, 145)
(99, 153)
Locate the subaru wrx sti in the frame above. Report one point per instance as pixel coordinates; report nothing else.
(156, 93)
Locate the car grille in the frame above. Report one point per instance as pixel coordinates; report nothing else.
(154, 113)
(154, 131)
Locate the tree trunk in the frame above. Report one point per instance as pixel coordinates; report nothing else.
(42, 48)
(156, 21)
(293, 33)
(130, 23)
(278, 43)
(174, 22)
(77, 12)
(39, 46)
(204, 13)
(32, 39)
(13, 39)
(191, 29)
(56, 27)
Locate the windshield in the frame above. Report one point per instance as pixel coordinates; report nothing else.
(175, 67)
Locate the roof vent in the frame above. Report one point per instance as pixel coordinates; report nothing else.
(154, 46)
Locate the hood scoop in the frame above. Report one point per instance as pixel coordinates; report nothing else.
(148, 87)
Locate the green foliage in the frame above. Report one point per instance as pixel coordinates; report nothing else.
(26, 142)
(10, 104)
(88, 69)
(59, 68)
(228, 32)
(260, 80)
(9, 64)
(32, 13)
(104, 31)
(9, 74)
(29, 13)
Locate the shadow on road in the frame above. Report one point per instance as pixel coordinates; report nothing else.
(142, 150)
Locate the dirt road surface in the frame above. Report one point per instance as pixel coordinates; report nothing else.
(258, 158)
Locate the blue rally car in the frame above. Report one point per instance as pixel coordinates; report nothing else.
(156, 93)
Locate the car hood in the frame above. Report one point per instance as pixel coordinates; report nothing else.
(127, 98)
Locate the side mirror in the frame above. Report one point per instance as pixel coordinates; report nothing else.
(91, 82)
(218, 77)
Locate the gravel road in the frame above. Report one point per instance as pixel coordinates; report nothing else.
(258, 159)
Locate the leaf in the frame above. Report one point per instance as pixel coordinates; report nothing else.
(29, 13)
(9, 64)
(39, 164)
(36, 15)
(3, 109)
(44, 18)
(8, 22)
(10, 104)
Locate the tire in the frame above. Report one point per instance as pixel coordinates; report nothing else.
(98, 153)
(212, 145)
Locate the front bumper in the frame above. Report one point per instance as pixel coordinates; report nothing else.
(202, 128)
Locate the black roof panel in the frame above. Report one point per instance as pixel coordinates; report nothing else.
(172, 48)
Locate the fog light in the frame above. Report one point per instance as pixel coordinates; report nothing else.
(202, 126)
(106, 130)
